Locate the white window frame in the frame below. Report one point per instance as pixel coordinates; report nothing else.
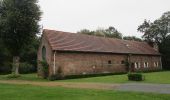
(147, 64)
(155, 65)
(136, 65)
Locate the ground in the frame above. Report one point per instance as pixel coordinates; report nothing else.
(102, 88)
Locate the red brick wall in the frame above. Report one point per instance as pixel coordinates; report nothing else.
(92, 63)
(49, 55)
(85, 63)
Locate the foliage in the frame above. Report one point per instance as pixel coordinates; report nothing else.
(6, 68)
(13, 76)
(109, 32)
(158, 31)
(133, 38)
(45, 69)
(26, 68)
(19, 24)
(135, 77)
(165, 50)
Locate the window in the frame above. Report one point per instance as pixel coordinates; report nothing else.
(157, 64)
(44, 53)
(137, 65)
(146, 64)
(109, 62)
(122, 62)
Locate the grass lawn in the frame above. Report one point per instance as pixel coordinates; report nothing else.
(28, 92)
(154, 77)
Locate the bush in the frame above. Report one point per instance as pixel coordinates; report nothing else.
(135, 77)
(25, 68)
(6, 68)
(13, 76)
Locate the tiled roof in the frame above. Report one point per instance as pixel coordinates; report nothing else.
(65, 41)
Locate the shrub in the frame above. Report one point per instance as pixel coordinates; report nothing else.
(13, 76)
(25, 68)
(135, 77)
(6, 68)
(45, 70)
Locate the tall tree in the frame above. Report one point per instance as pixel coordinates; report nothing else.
(19, 24)
(156, 31)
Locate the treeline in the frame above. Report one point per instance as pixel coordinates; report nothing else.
(110, 32)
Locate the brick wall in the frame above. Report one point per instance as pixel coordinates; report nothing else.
(93, 63)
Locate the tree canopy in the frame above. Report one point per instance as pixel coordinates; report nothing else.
(18, 24)
(109, 32)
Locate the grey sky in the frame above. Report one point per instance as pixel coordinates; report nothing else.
(125, 15)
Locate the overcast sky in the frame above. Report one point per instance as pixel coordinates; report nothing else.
(125, 15)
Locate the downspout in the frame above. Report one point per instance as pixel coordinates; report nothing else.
(54, 68)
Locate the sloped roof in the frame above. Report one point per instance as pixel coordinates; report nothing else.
(65, 41)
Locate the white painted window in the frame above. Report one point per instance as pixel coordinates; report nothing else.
(146, 64)
(155, 64)
(136, 66)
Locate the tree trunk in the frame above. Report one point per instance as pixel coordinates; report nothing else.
(15, 65)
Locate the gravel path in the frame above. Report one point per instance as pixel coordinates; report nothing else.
(145, 87)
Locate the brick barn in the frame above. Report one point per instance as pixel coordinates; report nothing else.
(78, 54)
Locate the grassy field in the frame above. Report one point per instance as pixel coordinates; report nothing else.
(154, 77)
(28, 92)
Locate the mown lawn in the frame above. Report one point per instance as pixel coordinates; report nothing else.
(28, 92)
(154, 77)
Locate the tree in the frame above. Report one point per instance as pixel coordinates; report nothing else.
(110, 32)
(19, 25)
(157, 31)
(134, 38)
(86, 31)
(113, 33)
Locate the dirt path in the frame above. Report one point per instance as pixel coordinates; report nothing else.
(64, 84)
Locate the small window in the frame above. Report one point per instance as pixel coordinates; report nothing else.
(145, 65)
(109, 62)
(155, 64)
(122, 62)
(136, 65)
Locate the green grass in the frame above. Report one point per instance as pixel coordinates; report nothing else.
(154, 77)
(28, 92)
(26, 77)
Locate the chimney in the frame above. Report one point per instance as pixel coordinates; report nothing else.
(154, 45)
